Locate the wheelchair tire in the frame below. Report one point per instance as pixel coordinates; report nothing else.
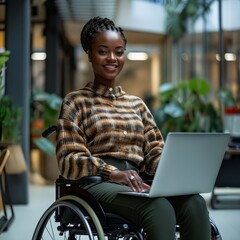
(215, 234)
(69, 218)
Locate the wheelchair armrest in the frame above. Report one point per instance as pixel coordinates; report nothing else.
(83, 181)
(90, 179)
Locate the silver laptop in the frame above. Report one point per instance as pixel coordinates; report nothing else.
(189, 164)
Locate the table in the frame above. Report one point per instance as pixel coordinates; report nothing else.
(226, 192)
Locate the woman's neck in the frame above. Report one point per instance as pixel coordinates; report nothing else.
(105, 82)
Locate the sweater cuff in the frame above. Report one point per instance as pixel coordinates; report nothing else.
(106, 171)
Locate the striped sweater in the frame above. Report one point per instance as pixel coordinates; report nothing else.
(97, 122)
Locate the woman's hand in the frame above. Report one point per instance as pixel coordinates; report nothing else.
(130, 178)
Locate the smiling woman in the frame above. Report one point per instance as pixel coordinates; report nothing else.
(104, 131)
(106, 52)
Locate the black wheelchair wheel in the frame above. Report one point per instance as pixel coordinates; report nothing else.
(215, 234)
(68, 219)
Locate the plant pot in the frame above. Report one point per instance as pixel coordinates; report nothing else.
(37, 128)
(232, 121)
(48, 166)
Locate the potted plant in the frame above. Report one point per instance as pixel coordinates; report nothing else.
(45, 109)
(185, 107)
(231, 103)
(10, 118)
(231, 111)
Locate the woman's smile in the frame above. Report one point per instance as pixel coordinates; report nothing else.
(110, 67)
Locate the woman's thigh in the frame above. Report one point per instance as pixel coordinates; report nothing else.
(155, 215)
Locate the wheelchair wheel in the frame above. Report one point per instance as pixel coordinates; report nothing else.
(215, 234)
(69, 218)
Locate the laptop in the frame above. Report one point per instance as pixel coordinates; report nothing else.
(189, 164)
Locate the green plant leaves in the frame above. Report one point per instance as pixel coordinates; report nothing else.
(10, 117)
(4, 56)
(45, 145)
(185, 107)
(226, 97)
(200, 86)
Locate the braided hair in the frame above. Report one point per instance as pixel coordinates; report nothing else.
(97, 25)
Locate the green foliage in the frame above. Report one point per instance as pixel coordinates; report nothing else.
(4, 56)
(45, 106)
(10, 113)
(45, 145)
(179, 12)
(185, 108)
(10, 118)
(227, 99)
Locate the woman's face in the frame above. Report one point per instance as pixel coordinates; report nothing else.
(107, 57)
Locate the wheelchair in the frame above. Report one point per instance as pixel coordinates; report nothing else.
(76, 214)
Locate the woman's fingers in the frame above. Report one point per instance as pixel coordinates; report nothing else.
(130, 178)
(136, 182)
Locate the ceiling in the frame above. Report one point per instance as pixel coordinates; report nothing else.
(83, 10)
(75, 13)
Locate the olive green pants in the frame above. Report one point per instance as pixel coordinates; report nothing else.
(157, 216)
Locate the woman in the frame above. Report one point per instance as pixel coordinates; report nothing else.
(104, 131)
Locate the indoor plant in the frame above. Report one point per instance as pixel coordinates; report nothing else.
(230, 102)
(185, 107)
(3, 59)
(231, 113)
(178, 14)
(10, 118)
(10, 113)
(45, 109)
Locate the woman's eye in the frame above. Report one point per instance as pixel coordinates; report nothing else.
(102, 52)
(120, 53)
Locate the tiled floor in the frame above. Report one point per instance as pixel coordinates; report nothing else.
(41, 196)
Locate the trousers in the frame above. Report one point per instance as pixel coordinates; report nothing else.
(157, 216)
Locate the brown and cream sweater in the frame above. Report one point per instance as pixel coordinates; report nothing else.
(97, 122)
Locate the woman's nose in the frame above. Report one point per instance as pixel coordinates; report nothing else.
(111, 57)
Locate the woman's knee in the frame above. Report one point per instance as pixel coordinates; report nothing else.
(196, 203)
(194, 209)
(158, 210)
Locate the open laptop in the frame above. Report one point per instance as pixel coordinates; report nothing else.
(189, 164)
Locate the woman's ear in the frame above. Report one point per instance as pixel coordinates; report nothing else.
(89, 56)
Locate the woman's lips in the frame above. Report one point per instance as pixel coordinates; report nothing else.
(110, 67)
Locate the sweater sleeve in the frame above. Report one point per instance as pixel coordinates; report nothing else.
(153, 141)
(74, 158)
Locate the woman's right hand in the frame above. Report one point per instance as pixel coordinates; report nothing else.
(130, 178)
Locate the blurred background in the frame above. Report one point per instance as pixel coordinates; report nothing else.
(183, 60)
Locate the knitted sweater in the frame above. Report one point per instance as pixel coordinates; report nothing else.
(97, 122)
